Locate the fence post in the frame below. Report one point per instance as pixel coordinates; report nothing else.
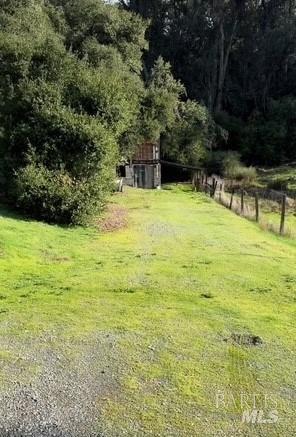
(231, 199)
(194, 181)
(206, 184)
(220, 192)
(120, 185)
(197, 184)
(257, 206)
(242, 201)
(214, 188)
(283, 214)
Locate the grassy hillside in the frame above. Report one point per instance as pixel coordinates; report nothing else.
(283, 174)
(135, 332)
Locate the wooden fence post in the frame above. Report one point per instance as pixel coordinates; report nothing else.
(214, 189)
(242, 201)
(257, 206)
(220, 192)
(206, 184)
(231, 199)
(283, 214)
(197, 184)
(194, 181)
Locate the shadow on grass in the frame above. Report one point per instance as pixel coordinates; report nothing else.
(181, 187)
(7, 211)
(10, 212)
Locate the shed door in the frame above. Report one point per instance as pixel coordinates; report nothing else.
(140, 174)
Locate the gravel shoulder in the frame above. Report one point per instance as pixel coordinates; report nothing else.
(62, 397)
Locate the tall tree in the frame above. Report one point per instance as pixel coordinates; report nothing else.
(235, 56)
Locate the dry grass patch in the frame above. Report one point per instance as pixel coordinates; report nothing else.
(114, 218)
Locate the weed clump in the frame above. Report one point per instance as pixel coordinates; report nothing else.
(245, 339)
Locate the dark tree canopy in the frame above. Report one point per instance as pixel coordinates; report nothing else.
(238, 57)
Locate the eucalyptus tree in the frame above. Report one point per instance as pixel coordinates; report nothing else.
(235, 56)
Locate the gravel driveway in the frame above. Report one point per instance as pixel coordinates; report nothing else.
(53, 392)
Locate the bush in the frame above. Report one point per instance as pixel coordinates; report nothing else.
(66, 109)
(192, 133)
(248, 175)
(213, 163)
(56, 197)
(235, 170)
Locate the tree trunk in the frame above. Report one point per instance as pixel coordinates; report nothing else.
(223, 61)
(221, 77)
(212, 80)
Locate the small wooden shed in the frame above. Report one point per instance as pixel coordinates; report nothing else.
(144, 170)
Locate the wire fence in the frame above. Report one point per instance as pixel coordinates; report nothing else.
(272, 210)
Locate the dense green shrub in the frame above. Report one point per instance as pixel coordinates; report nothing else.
(235, 170)
(213, 162)
(57, 197)
(247, 175)
(191, 135)
(65, 109)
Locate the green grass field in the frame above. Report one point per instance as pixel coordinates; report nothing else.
(173, 289)
(270, 213)
(271, 210)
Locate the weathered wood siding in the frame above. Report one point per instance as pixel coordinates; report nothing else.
(147, 152)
